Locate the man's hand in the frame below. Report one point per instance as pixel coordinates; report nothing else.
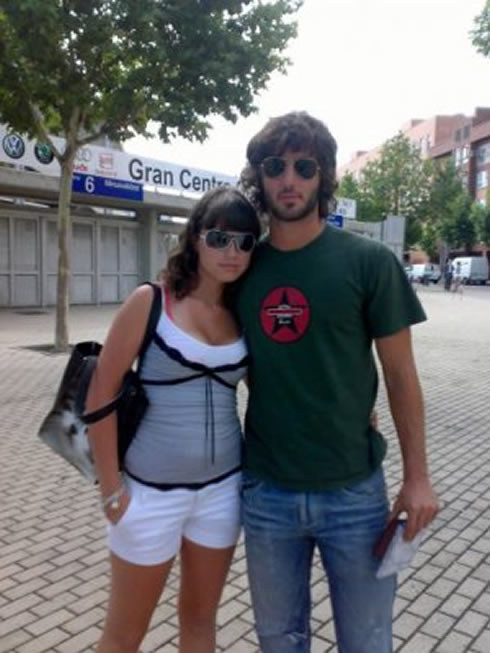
(416, 497)
(419, 501)
(373, 419)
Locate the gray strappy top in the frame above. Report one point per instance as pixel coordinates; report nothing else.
(190, 434)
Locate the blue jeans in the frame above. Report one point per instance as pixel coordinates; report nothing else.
(282, 528)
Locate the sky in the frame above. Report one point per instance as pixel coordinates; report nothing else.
(365, 68)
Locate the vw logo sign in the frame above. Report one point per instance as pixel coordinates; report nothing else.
(44, 154)
(13, 146)
(83, 155)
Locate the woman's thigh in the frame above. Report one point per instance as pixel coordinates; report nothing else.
(202, 577)
(135, 591)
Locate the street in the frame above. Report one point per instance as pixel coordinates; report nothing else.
(53, 561)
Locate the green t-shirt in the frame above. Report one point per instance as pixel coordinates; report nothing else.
(310, 316)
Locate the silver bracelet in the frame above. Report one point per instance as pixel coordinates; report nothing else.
(112, 501)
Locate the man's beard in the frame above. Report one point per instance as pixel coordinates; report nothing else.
(286, 215)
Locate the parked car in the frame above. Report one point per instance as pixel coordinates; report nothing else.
(472, 269)
(423, 272)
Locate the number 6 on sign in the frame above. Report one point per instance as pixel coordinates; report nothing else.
(89, 184)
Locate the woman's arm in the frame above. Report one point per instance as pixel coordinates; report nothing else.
(118, 353)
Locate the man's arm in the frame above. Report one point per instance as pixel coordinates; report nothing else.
(416, 497)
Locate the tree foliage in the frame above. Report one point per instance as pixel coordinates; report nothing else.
(444, 188)
(348, 187)
(429, 239)
(481, 218)
(449, 213)
(458, 229)
(480, 34)
(118, 63)
(107, 67)
(395, 183)
(430, 194)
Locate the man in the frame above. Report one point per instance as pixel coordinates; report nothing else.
(313, 302)
(448, 274)
(457, 282)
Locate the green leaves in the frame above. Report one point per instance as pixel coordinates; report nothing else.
(458, 229)
(348, 187)
(481, 219)
(125, 62)
(448, 206)
(395, 183)
(430, 194)
(480, 35)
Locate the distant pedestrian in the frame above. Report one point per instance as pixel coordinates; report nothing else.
(457, 283)
(448, 274)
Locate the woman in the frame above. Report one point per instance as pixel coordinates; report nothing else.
(179, 489)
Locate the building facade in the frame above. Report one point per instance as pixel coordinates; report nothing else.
(126, 211)
(114, 245)
(466, 139)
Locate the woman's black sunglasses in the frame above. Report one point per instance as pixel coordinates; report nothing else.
(218, 239)
(274, 166)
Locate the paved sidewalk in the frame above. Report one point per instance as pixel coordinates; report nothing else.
(53, 566)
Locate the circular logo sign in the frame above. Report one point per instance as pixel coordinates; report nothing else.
(44, 154)
(13, 146)
(285, 314)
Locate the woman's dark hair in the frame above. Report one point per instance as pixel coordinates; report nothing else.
(296, 131)
(222, 207)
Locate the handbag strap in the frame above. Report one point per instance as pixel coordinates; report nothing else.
(151, 325)
(105, 410)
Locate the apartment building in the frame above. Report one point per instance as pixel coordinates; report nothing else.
(464, 138)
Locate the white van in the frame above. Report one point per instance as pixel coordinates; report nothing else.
(424, 272)
(471, 269)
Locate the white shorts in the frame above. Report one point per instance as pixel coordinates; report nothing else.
(150, 531)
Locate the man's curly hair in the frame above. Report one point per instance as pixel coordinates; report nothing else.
(296, 131)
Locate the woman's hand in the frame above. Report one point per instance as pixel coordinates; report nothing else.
(115, 514)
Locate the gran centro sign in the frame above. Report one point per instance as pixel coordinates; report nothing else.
(94, 163)
(122, 227)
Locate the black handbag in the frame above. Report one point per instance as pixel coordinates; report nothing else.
(64, 429)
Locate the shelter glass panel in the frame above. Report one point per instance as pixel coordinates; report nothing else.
(82, 248)
(25, 245)
(109, 261)
(26, 290)
(4, 290)
(4, 244)
(129, 250)
(51, 248)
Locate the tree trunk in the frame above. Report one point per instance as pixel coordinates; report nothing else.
(64, 235)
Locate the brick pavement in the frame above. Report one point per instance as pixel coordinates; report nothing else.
(53, 567)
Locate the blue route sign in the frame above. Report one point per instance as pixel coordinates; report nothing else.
(94, 185)
(336, 220)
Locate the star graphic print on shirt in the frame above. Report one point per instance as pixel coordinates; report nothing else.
(285, 314)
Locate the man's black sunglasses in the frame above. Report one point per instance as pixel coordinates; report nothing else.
(274, 166)
(218, 239)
